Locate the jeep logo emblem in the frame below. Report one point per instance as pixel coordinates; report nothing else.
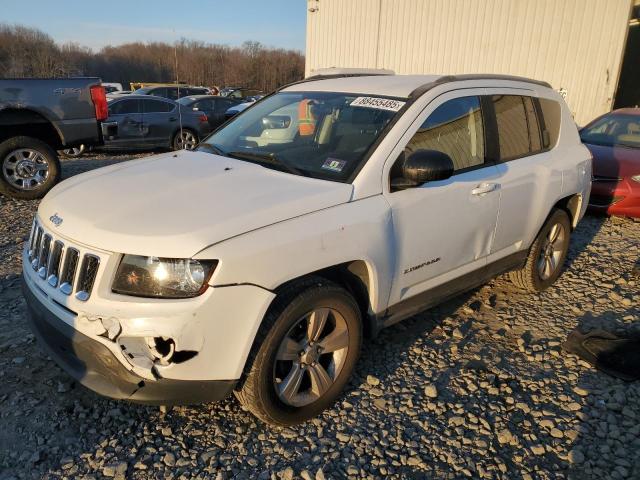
(56, 220)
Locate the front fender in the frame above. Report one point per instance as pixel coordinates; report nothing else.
(270, 256)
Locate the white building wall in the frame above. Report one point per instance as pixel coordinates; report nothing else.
(575, 45)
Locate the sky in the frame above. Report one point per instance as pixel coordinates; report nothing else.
(274, 23)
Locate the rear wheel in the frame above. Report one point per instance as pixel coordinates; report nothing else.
(304, 354)
(185, 139)
(29, 168)
(547, 254)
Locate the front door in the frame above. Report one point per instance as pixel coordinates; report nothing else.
(445, 228)
(124, 125)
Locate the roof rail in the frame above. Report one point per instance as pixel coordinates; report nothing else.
(349, 72)
(329, 73)
(473, 76)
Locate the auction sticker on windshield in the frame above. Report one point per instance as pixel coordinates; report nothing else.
(379, 103)
(334, 164)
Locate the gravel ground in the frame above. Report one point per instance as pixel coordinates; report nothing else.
(477, 387)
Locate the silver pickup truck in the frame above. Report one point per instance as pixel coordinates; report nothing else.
(38, 117)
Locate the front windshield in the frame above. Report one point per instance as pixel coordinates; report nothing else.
(613, 130)
(315, 134)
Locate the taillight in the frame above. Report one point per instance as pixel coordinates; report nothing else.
(203, 118)
(99, 98)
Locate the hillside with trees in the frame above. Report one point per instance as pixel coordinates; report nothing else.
(28, 52)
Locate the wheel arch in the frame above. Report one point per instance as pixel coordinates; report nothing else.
(26, 122)
(355, 276)
(571, 205)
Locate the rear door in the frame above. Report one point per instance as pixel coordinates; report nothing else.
(124, 127)
(527, 172)
(159, 120)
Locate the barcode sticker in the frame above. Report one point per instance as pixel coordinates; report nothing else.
(379, 103)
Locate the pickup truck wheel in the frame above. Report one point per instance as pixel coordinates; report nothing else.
(310, 343)
(28, 168)
(547, 254)
(185, 139)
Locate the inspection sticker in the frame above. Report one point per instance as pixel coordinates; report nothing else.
(379, 103)
(334, 164)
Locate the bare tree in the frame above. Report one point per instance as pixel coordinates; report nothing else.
(28, 52)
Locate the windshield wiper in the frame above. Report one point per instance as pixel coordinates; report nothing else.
(212, 148)
(268, 158)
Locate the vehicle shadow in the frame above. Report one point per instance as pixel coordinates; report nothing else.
(608, 429)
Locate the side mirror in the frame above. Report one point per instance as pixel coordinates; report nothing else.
(425, 166)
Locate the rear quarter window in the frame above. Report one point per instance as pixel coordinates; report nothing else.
(551, 115)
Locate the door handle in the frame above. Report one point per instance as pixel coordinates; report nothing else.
(172, 119)
(484, 188)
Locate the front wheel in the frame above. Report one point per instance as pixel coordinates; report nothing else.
(547, 254)
(29, 168)
(304, 354)
(185, 139)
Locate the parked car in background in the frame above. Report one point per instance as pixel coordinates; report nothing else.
(257, 263)
(38, 117)
(215, 107)
(112, 87)
(236, 109)
(614, 142)
(173, 92)
(240, 93)
(146, 122)
(118, 94)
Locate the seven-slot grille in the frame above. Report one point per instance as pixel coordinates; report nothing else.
(61, 266)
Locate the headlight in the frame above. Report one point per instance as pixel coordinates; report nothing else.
(162, 277)
(636, 178)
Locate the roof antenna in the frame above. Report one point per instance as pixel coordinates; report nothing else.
(175, 56)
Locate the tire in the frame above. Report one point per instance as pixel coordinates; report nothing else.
(545, 260)
(184, 135)
(74, 152)
(29, 168)
(265, 390)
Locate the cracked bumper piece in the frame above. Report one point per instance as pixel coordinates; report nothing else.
(93, 365)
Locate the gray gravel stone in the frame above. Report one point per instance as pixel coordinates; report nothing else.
(509, 402)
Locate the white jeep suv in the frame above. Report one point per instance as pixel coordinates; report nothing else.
(333, 207)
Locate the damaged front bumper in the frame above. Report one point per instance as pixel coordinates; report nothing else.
(96, 367)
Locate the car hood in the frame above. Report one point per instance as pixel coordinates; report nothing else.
(174, 205)
(615, 162)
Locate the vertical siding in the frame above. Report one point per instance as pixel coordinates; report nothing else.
(576, 45)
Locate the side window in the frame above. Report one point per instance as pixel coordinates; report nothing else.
(535, 142)
(124, 107)
(521, 126)
(455, 128)
(551, 120)
(155, 106)
(158, 92)
(205, 105)
(172, 93)
(513, 133)
(222, 106)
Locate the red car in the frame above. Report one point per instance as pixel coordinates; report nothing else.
(614, 141)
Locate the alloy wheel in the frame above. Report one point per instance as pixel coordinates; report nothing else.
(25, 168)
(186, 140)
(551, 251)
(310, 357)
